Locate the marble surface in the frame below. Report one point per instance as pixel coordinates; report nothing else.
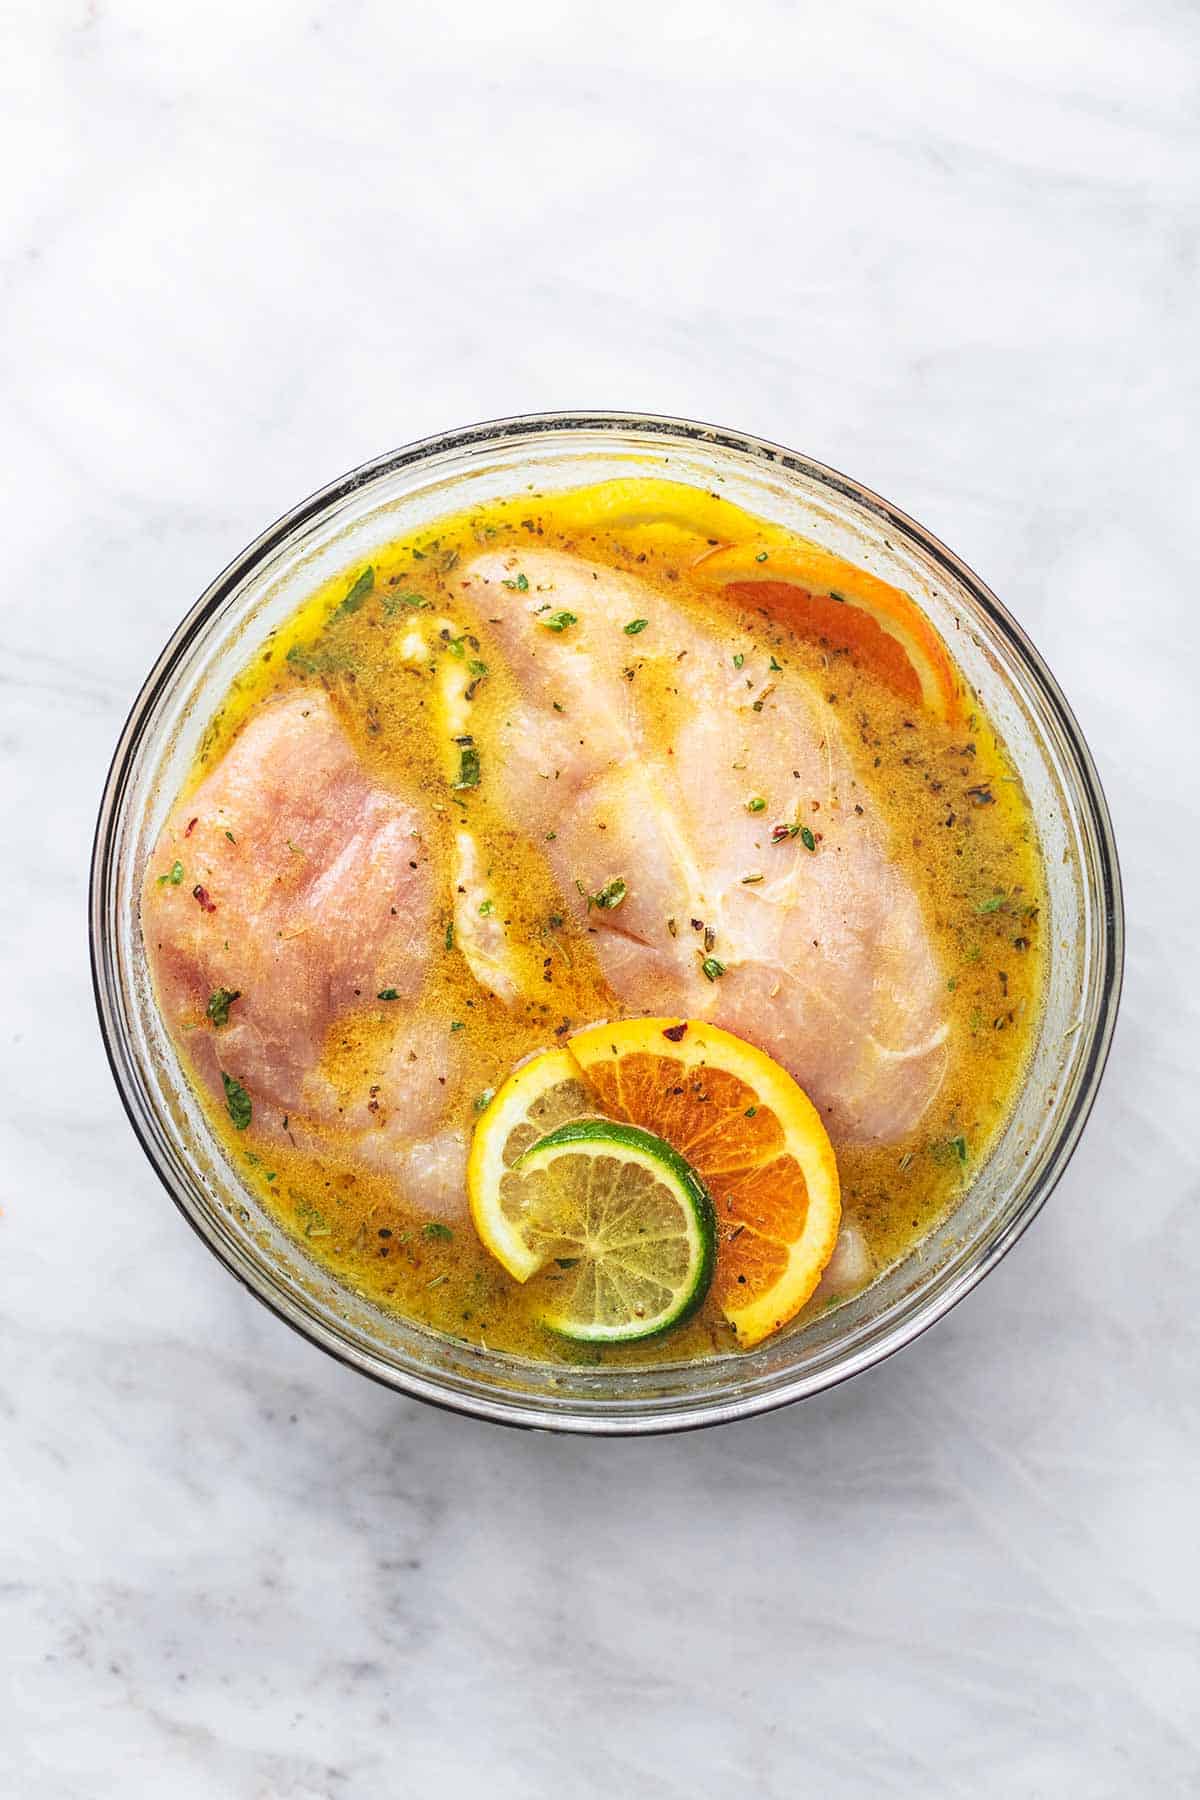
(950, 248)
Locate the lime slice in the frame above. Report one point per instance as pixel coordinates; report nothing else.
(627, 1221)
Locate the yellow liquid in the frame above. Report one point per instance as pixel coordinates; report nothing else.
(959, 852)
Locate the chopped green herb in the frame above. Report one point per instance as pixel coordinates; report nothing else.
(237, 1102)
(219, 1003)
(435, 1229)
(388, 994)
(468, 767)
(486, 908)
(556, 919)
(519, 586)
(560, 621)
(756, 804)
(231, 837)
(550, 836)
(311, 1217)
(952, 983)
(991, 905)
(777, 666)
(458, 1025)
(712, 967)
(311, 661)
(393, 602)
(484, 1100)
(634, 626)
(761, 557)
(173, 876)
(478, 669)
(357, 593)
(751, 1112)
(738, 660)
(457, 646)
(781, 833)
(610, 895)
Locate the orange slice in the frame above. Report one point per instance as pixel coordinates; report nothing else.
(824, 596)
(753, 1136)
(812, 589)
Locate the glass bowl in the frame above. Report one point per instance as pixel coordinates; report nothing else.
(344, 524)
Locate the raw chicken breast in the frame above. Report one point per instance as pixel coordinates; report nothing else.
(850, 1267)
(306, 889)
(640, 754)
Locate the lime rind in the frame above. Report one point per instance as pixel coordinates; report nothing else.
(653, 1277)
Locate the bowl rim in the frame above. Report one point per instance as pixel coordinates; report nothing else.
(509, 1408)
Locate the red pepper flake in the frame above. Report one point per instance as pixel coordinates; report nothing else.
(191, 825)
(201, 894)
(674, 1032)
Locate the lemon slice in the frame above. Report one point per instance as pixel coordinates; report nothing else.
(538, 1096)
(644, 502)
(628, 1223)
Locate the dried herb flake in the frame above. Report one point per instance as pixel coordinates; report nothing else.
(219, 1003)
(237, 1102)
(468, 767)
(610, 895)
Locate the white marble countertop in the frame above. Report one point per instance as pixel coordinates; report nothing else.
(949, 248)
